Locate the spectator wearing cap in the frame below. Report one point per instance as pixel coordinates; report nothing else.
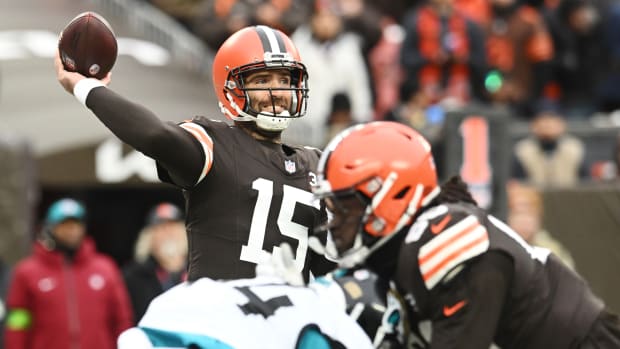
(160, 257)
(66, 294)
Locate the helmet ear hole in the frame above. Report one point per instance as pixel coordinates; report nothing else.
(401, 194)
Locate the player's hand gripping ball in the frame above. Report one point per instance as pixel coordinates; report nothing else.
(88, 46)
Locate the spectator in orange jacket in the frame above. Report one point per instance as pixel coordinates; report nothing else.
(519, 53)
(66, 295)
(444, 50)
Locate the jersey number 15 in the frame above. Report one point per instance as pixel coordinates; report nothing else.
(253, 252)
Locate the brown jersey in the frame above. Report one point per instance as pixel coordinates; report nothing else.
(252, 196)
(441, 267)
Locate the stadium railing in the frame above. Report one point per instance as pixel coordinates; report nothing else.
(156, 26)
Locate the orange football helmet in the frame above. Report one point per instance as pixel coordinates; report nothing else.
(388, 164)
(251, 49)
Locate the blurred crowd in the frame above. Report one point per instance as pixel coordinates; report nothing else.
(546, 63)
(517, 53)
(67, 294)
(415, 60)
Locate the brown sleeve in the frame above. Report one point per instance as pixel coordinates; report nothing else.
(172, 147)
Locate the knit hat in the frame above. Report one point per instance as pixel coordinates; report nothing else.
(164, 212)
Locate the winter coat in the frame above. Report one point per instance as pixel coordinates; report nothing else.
(144, 284)
(66, 304)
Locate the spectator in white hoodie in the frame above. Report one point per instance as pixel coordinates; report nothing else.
(335, 64)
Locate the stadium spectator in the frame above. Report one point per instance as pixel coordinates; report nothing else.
(466, 271)
(610, 94)
(246, 191)
(416, 109)
(385, 69)
(340, 116)
(525, 216)
(362, 18)
(478, 11)
(395, 9)
(65, 294)
(335, 65)
(160, 258)
(581, 60)
(445, 51)
(519, 53)
(549, 156)
(219, 19)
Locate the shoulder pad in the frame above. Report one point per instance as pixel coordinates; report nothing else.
(435, 220)
(208, 122)
(317, 151)
(455, 238)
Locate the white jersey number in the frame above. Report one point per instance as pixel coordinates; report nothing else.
(253, 252)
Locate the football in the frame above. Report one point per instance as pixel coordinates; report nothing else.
(87, 45)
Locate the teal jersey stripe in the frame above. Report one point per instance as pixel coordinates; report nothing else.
(160, 338)
(312, 338)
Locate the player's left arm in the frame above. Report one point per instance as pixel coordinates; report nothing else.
(466, 310)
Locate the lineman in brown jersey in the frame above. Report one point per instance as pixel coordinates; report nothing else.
(455, 265)
(246, 192)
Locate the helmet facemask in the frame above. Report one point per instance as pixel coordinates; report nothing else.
(347, 210)
(371, 231)
(363, 239)
(390, 166)
(238, 94)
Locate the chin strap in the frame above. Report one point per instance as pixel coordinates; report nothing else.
(277, 122)
(352, 257)
(356, 255)
(265, 121)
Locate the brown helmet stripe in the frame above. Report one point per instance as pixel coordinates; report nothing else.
(270, 39)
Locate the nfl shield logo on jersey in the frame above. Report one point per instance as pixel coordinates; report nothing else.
(289, 166)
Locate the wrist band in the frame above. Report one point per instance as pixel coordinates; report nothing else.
(83, 87)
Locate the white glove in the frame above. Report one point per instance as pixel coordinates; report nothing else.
(281, 265)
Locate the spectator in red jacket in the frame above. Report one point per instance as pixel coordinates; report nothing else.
(66, 295)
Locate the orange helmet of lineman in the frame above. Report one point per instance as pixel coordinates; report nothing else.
(374, 177)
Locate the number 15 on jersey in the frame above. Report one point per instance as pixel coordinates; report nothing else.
(253, 252)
